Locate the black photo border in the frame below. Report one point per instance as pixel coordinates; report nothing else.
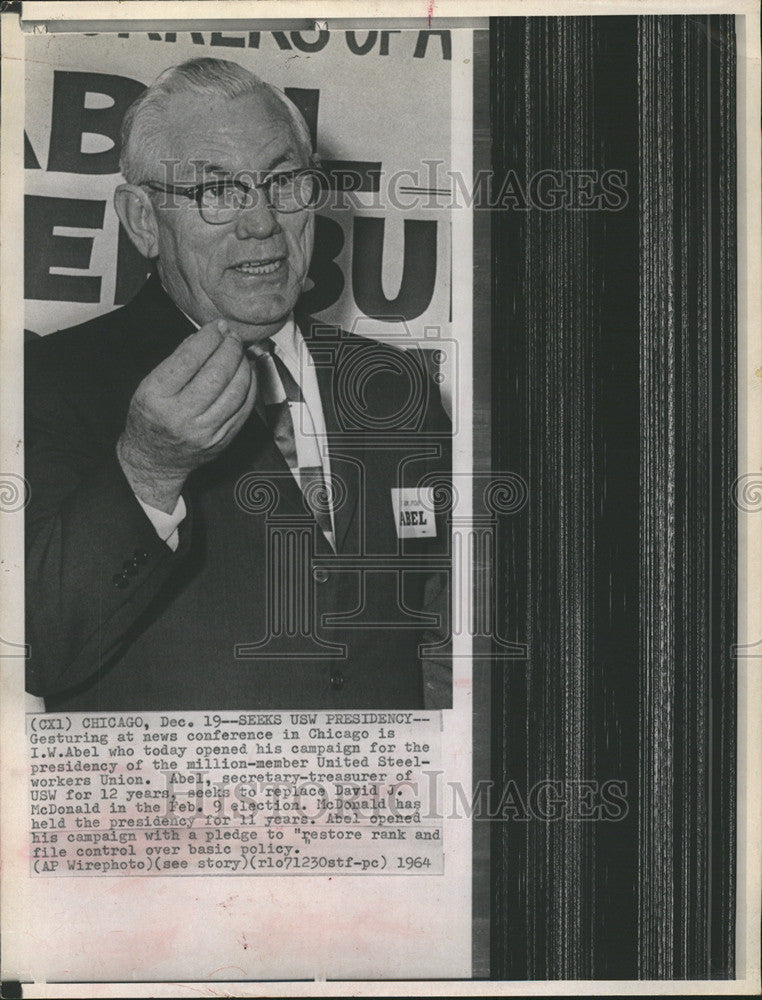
(620, 410)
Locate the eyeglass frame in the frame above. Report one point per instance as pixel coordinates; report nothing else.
(196, 191)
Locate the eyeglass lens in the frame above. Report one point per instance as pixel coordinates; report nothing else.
(284, 192)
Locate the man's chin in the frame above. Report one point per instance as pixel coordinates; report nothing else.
(273, 311)
(253, 325)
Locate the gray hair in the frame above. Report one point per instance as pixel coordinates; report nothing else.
(145, 123)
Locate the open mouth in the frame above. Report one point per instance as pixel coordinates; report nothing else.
(258, 266)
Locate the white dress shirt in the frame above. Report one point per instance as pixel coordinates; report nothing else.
(292, 350)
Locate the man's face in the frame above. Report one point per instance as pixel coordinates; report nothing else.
(249, 271)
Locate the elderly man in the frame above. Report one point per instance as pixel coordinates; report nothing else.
(226, 496)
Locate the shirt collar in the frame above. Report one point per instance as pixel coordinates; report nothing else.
(288, 339)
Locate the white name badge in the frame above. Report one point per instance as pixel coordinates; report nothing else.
(414, 512)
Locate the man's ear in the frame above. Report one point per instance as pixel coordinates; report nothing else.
(136, 213)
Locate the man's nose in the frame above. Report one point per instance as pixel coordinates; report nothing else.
(257, 219)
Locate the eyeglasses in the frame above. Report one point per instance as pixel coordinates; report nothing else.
(220, 201)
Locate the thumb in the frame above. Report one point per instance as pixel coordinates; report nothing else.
(229, 331)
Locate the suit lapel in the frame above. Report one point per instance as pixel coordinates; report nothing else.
(159, 324)
(254, 452)
(325, 346)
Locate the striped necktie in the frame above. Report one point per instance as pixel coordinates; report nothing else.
(288, 417)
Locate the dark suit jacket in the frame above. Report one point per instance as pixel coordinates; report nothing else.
(236, 617)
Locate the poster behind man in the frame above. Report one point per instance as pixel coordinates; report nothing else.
(381, 265)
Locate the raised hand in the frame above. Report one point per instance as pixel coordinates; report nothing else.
(185, 412)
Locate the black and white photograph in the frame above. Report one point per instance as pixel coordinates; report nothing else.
(210, 462)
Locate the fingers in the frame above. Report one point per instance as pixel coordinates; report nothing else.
(231, 397)
(233, 424)
(172, 374)
(210, 381)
